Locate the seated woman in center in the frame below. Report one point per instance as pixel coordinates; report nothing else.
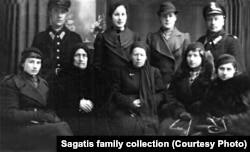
(137, 92)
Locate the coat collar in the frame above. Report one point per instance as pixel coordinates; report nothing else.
(127, 38)
(63, 33)
(39, 94)
(166, 47)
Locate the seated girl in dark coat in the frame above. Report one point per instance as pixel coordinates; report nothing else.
(228, 98)
(188, 86)
(73, 93)
(26, 121)
(138, 90)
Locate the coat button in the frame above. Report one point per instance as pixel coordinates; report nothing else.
(57, 50)
(58, 57)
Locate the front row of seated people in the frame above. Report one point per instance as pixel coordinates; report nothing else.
(139, 103)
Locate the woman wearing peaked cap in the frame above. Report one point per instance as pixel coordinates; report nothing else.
(217, 40)
(137, 92)
(228, 97)
(26, 121)
(168, 44)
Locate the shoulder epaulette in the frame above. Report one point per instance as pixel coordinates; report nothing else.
(233, 36)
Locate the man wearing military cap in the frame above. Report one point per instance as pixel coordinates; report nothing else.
(217, 40)
(55, 42)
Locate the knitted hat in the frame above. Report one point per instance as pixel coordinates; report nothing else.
(224, 59)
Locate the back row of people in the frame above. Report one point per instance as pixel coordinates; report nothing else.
(136, 92)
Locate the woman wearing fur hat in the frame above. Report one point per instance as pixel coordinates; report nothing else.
(26, 121)
(227, 100)
(187, 88)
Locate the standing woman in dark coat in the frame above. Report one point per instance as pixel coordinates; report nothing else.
(138, 90)
(168, 44)
(26, 121)
(112, 47)
(187, 89)
(228, 97)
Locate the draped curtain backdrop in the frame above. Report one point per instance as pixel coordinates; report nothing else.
(238, 24)
(21, 19)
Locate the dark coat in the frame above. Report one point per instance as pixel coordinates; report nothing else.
(72, 85)
(224, 43)
(53, 59)
(126, 120)
(111, 53)
(166, 55)
(24, 113)
(230, 99)
(181, 96)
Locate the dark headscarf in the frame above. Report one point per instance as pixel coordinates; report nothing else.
(80, 46)
(73, 70)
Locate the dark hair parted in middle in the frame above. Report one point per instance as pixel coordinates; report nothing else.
(114, 6)
(85, 48)
(195, 46)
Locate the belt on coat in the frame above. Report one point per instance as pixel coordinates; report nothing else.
(57, 70)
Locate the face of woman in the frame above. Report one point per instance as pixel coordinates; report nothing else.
(32, 66)
(58, 17)
(138, 57)
(119, 17)
(226, 71)
(168, 20)
(215, 23)
(194, 59)
(81, 59)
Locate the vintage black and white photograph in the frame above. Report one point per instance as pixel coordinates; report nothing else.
(122, 68)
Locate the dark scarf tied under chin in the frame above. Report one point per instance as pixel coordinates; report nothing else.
(147, 92)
